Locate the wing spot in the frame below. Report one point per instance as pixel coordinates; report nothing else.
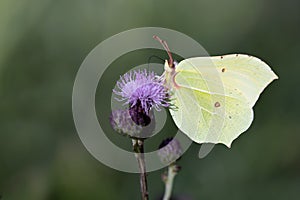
(237, 55)
(223, 70)
(217, 104)
(221, 57)
(229, 117)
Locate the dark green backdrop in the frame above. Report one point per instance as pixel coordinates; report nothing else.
(42, 44)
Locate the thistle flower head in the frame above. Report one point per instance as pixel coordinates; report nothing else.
(142, 88)
(122, 123)
(169, 150)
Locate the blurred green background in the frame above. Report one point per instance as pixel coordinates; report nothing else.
(43, 43)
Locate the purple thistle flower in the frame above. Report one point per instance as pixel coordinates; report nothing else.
(122, 123)
(169, 150)
(142, 90)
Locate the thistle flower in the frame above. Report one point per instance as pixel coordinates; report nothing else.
(169, 150)
(142, 90)
(122, 123)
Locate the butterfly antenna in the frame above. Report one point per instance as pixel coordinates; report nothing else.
(165, 45)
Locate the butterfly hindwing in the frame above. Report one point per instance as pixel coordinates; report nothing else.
(216, 95)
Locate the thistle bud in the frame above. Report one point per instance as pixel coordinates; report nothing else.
(122, 123)
(169, 151)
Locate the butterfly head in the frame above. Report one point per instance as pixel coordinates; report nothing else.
(168, 67)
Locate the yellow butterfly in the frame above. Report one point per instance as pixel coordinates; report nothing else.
(214, 96)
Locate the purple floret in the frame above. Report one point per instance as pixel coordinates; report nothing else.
(142, 87)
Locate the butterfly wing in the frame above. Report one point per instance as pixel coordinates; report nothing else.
(214, 96)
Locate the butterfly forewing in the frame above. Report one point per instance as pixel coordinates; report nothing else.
(216, 95)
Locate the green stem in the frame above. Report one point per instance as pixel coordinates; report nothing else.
(172, 171)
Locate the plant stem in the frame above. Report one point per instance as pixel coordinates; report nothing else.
(138, 146)
(172, 171)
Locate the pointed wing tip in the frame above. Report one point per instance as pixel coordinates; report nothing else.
(206, 148)
(228, 145)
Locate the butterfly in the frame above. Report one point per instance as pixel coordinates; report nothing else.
(214, 96)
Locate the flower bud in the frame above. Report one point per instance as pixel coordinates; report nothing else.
(122, 123)
(169, 151)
